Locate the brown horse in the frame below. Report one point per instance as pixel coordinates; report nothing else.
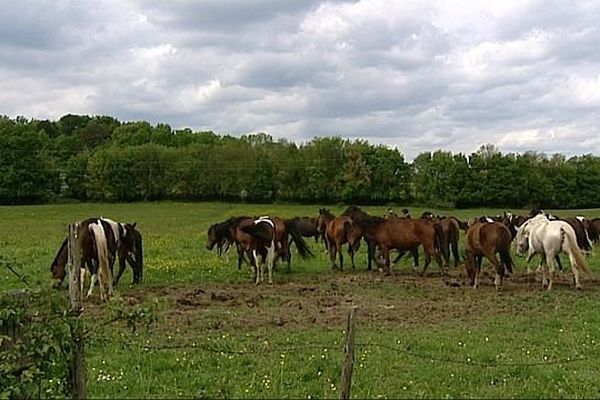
(405, 234)
(451, 229)
(339, 231)
(323, 219)
(485, 239)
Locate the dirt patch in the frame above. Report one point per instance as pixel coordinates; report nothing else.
(402, 300)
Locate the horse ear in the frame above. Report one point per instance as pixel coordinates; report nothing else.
(134, 224)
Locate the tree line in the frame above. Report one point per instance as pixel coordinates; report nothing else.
(98, 158)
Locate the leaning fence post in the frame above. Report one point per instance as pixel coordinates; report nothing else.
(74, 267)
(348, 365)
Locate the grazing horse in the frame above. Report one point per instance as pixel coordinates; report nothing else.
(323, 219)
(219, 234)
(485, 239)
(404, 234)
(94, 240)
(546, 237)
(123, 241)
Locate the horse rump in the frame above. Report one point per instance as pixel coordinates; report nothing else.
(297, 238)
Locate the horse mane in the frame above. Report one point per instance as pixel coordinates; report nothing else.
(326, 212)
(351, 210)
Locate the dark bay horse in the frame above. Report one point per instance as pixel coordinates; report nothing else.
(305, 226)
(451, 230)
(485, 239)
(124, 243)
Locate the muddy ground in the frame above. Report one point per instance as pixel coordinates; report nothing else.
(400, 300)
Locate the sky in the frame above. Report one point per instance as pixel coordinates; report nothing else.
(417, 75)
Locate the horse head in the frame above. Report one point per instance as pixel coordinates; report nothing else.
(212, 237)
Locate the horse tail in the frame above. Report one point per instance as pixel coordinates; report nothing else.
(438, 242)
(301, 245)
(504, 249)
(104, 273)
(575, 254)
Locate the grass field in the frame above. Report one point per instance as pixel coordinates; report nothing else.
(217, 335)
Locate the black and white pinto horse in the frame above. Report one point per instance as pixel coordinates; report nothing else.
(101, 241)
(264, 232)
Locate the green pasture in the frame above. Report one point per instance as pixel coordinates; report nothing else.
(429, 337)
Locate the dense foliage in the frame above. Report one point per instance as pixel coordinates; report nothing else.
(34, 360)
(102, 159)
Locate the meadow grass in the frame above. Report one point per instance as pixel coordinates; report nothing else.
(417, 337)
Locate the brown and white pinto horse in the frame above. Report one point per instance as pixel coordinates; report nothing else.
(264, 241)
(94, 241)
(123, 242)
(229, 231)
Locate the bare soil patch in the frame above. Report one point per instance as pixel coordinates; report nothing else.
(402, 300)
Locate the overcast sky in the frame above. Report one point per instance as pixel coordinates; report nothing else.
(420, 75)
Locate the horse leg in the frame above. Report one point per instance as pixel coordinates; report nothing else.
(341, 254)
(92, 283)
(550, 264)
(543, 266)
(427, 261)
(498, 267)
(81, 278)
(352, 249)
(557, 258)
(573, 262)
(370, 255)
(332, 256)
(415, 254)
(270, 261)
(385, 252)
(455, 253)
(122, 267)
(478, 260)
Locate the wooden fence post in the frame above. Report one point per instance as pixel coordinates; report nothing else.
(348, 365)
(78, 390)
(74, 266)
(77, 367)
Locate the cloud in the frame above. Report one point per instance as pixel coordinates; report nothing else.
(412, 74)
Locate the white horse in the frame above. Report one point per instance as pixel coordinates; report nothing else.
(545, 237)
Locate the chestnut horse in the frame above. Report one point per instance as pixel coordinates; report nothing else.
(404, 234)
(485, 239)
(339, 231)
(324, 218)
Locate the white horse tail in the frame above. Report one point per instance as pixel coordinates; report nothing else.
(575, 255)
(104, 274)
